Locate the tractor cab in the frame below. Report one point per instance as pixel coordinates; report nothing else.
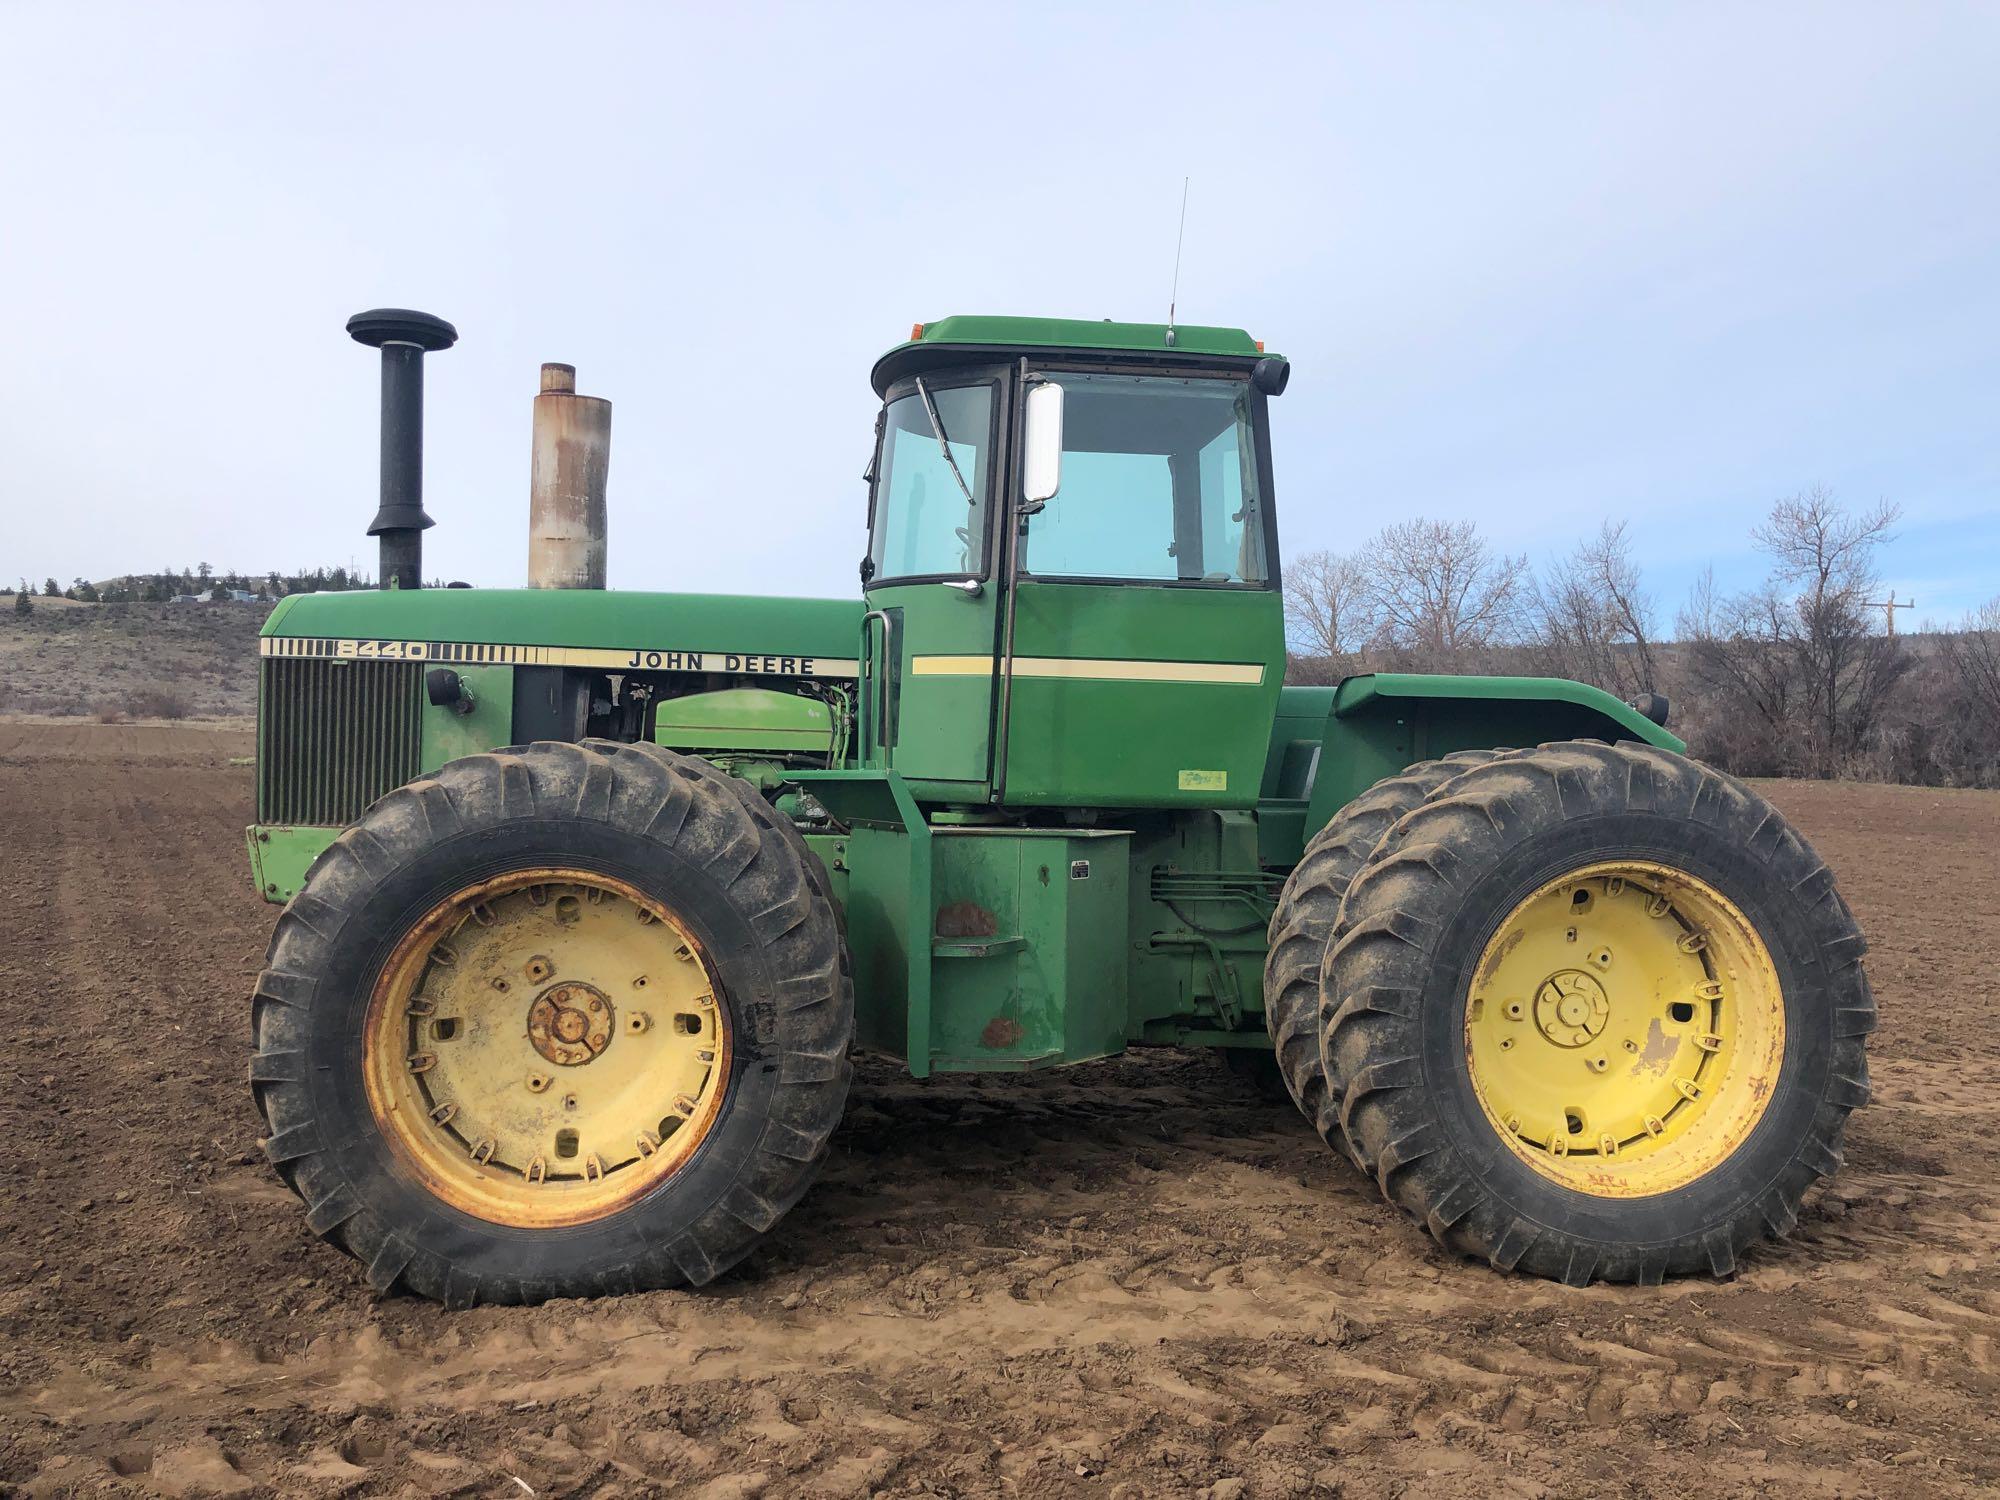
(1072, 571)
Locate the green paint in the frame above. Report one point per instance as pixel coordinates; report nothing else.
(1100, 743)
(1201, 901)
(449, 735)
(1357, 693)
(587, 618)
(1081, 334)
(1381, 723)
(1027, 969)
(831, 851)
(279, 858)
(941, 727)
(1086, 333)
(745, 719)
(888, 859)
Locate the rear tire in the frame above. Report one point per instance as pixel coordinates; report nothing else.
(623, 830)
(1309, 909)
(1706, 934)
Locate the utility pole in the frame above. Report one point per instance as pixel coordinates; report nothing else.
(1889, 606)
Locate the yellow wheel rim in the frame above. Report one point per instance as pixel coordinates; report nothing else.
(545, 1047)
(1624, 1029)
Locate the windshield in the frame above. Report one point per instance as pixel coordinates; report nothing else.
(923, 526)
(1159, 482)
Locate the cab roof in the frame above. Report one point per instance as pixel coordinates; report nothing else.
(950, 340)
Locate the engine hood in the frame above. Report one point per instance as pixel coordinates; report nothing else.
(573, 627)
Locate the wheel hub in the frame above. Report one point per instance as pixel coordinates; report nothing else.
(571, 1023)
(1571, 1008)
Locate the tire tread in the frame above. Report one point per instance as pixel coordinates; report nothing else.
(675, 800)
(1379, 954)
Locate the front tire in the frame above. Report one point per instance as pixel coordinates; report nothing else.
(556, 1021)
(1597, 1012)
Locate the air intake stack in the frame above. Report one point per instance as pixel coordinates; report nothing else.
(404, 337)
(571, 467)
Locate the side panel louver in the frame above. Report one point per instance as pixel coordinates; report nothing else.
(332, 736)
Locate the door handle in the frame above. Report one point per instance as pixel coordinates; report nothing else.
(875, 701)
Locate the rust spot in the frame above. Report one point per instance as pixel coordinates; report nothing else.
(1001, 1032)
(1658, 1052)
(966, 919)
(1499, 956)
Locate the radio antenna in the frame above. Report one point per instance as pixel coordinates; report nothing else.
(1180, 235)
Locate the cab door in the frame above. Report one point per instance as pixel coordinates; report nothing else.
(932, 597)
(1147, 645)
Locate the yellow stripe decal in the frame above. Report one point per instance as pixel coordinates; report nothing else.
(635, 659)
(1235, 674)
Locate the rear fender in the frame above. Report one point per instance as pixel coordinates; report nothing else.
(1383, 721)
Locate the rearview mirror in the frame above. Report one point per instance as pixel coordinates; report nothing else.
(1041, 463)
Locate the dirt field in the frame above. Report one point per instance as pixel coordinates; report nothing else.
(1133, 1279)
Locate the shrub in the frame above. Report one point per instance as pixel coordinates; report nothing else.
(158, 703)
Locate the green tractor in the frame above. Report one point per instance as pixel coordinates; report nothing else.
(588, 895)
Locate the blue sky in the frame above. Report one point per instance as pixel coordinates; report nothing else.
(1535, 264)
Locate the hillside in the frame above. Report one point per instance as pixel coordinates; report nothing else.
(140, 660)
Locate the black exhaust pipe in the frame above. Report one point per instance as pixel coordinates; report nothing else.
(404, 337)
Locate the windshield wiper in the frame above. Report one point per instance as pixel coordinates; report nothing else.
(944, 446)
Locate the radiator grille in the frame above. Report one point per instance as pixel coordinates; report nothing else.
(332, 736)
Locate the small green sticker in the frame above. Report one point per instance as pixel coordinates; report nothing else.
(1204, 781)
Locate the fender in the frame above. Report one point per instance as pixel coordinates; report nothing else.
(1381, 722)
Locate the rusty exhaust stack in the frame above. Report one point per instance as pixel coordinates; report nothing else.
(572, 464)
(404, 337)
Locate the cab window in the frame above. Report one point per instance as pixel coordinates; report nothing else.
(923, 526)
(1158, 484)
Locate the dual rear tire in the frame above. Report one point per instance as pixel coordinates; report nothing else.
(1588, 1011)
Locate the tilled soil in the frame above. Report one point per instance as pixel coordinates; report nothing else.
(1129, 1279)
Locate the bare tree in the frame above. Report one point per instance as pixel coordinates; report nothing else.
(1440, 593)
(1592, 619)
(1326, 609)
(1797, 654)
(1972, 657)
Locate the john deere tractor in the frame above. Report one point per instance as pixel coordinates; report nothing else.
(589, 894)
